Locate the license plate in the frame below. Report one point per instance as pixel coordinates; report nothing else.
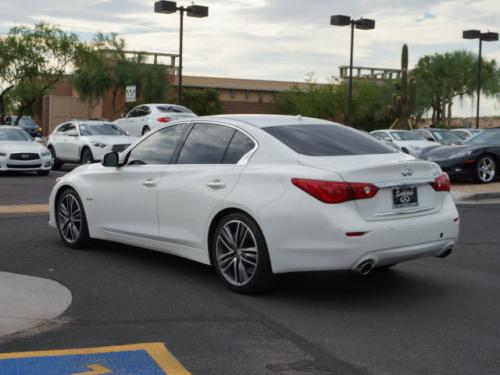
(404, 196)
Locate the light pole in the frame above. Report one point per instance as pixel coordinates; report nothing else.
(362, 24)
(197, 11)
(487, 37)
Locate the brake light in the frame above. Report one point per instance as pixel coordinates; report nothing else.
(335, 192)
(442, 183)
(163, 119)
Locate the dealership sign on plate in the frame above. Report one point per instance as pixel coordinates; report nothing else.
(130, 92)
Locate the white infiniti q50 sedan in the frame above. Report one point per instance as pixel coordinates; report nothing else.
(257, 195)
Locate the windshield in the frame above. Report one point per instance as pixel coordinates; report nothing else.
(406, 136)
(485, 138)
(327, 140)
(27, 122)
(100, 129)
(18, 135)
(443, 135)
(174, 109)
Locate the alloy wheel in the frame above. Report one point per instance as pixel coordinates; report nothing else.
(236, 253)
(69, 218)
(486, 169)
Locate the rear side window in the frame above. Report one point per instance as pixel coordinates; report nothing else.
(206, 144)
(327, 140)
(239, 146)
(158, 148)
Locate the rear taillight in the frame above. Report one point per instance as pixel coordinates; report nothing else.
(441, 183)
(335, 192)
(163, 119)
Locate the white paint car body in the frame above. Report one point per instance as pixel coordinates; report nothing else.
(69, 139)
(19, 152)
(410, 146)
(146, 117)
(173, 207)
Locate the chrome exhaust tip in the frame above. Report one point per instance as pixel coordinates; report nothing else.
(446, 252)
(365, 267)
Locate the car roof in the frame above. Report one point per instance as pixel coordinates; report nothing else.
(264, 121)
(10, 127)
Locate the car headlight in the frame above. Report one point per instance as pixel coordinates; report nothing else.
(45, 153)
(3, 154)
(99, 144)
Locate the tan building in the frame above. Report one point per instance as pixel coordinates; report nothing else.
(237, 95)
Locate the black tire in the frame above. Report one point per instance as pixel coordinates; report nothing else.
(241, 255)
(80, 238)
(57, 164)
(86, 156)
(485, 169)
(42, 173)
(145, 130)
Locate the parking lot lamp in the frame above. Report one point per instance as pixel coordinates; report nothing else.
(168, 7)
(487, 37)
(362, 24)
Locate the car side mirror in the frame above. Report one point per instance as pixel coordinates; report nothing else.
(111, 159)
(38, 140)
(431, 139)
(72, 133)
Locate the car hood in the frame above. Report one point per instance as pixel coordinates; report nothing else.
(15, 146)
(445, 151)
(111, 139)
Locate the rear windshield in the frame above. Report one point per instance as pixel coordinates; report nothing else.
(328, 140)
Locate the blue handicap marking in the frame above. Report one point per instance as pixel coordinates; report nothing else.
(137, 359)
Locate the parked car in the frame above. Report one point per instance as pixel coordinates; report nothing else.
(466, 133)
(27, 123)
(146, 117)
(260, 195)
(86, 141)
(408, 142)
(442, 136)
(19, 152)
(478, 157)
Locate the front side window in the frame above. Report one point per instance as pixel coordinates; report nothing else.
(136, 112)
(405, 136)
(158, 148)
(327, 140)
(206, 144)
(69, 129)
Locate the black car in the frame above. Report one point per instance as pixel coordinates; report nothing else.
(27, 123)
(477, 157)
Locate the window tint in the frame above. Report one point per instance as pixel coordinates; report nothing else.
(239, 146)
(70, 128)
(327, 140)
(61, 129)
(158, 148)
(206, 144)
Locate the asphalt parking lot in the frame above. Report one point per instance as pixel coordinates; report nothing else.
(431, 316)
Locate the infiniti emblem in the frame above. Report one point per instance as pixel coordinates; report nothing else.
(406, 172)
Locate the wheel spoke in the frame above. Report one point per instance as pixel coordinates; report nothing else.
(226, 233)
(223, 241)
(248, 261)
(228, 265)
(243, 237)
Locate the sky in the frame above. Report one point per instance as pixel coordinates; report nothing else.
(278, 39)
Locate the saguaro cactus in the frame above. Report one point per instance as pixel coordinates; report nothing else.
(404, 101)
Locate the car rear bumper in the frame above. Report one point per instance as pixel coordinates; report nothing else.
(318, 241)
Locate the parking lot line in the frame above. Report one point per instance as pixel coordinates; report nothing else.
(148, 358)
(24, 209)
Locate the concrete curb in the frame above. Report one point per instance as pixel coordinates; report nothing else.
(27, 302)
(459, 196)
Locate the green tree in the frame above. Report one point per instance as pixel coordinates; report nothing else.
(203, 101)
(32, 61)
(443, 77)
(104, 66)
(330, 101)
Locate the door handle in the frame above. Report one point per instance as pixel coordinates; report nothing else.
(149, 183)
(217, 184)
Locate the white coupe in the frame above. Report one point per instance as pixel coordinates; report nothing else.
(146, 117)
(256, 195)
(19, 152)
(86, 141)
